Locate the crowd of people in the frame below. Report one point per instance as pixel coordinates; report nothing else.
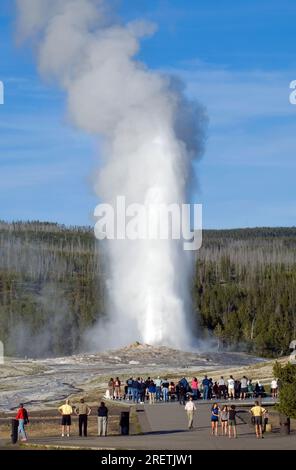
(226, 417)
(139, 390)
(67, 410)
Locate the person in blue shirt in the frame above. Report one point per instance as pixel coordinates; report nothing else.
(205, 386)
(135, 388)
(215, 418)
(152, 392)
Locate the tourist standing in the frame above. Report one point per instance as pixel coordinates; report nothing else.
(250, 389)
(205, 387)
(215, 419)
(194, 388)
(210, 391)
(221, 387)
(129, 384)
(237, 389)
(224, 420)
(172, 391)
(102, 419)
(111, 388)
(66, 410)
(244, 388)
(147, 383)
(82, 411)
(274, 388)
(265, 421)
(135, 391)
(152, 392)
(142, 391)
(182, 394)
(165, 390)
(23, 419)
(158, 383)
(190, 408)
(232, 422)
(216, 390)
(230, 382)
(257, 412)
(117, 389)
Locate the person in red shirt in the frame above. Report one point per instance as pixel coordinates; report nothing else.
(23, 419)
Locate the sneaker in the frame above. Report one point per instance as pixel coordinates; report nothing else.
(68, 435)
(63, 435)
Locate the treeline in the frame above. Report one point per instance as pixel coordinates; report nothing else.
(52, 288)
(245, 288)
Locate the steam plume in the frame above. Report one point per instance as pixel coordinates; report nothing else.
(151, 135)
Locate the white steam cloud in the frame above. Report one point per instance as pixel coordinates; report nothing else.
(151, 135)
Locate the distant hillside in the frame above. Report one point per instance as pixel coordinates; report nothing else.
(245, 288)
(52, 288)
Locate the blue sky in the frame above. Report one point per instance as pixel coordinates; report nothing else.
(235, 57)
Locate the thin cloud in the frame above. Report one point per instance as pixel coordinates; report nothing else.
(236, 97)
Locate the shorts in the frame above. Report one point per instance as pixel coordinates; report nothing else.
(231, 422)
(214, 419)
(66, 420)
(257, 420)
(244, 390)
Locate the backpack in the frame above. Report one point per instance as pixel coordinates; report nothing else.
(26, 417)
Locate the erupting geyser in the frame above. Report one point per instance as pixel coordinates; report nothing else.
(151, 135)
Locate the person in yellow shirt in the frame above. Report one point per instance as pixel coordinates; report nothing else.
(66, 410)
(257, 412)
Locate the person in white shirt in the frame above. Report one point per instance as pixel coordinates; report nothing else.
(244, 388)
(190, 408)
(221, 387)
(274, 388)
(221, 381)
(158, 383)
(230, 383)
